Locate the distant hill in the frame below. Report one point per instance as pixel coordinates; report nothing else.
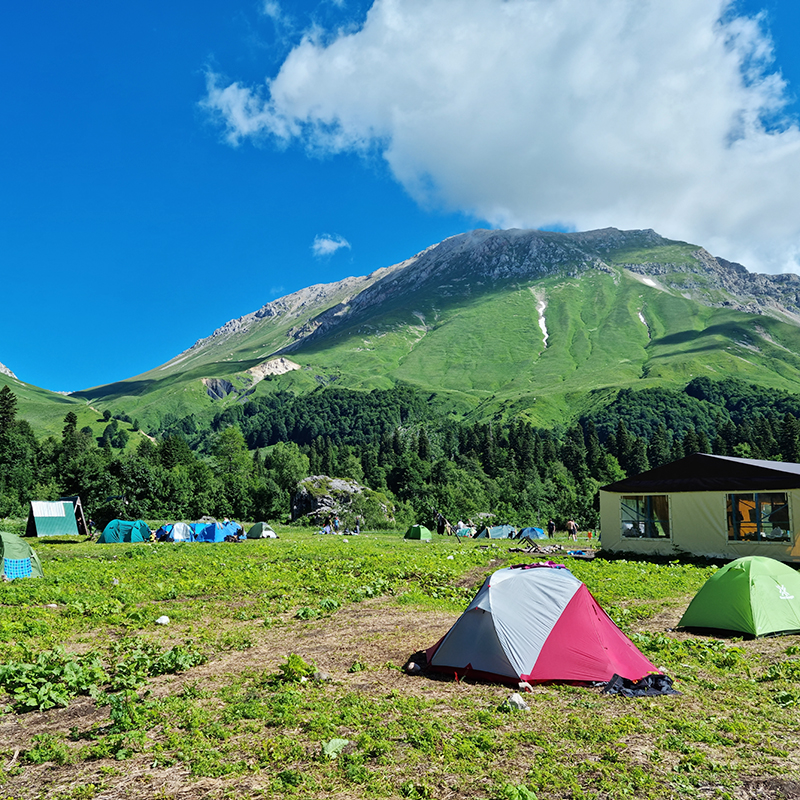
(495, 323)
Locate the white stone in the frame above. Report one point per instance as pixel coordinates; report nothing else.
(162, 620)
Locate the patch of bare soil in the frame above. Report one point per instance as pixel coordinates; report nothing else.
(375, 632)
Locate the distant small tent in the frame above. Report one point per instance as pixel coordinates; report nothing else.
(755, 594)
(177, 532)
(19, 558)
(418, 532)
(532, 533)
(498, 532)
(261, 531)
(119, 530)
(52, 518)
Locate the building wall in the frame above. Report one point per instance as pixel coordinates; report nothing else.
(698, 525)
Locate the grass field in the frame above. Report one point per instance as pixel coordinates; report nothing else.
(223, 701)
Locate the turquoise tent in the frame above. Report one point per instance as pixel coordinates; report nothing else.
(119, 530)
(498, 532)
(754, 594)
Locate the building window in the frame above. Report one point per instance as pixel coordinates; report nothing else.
(758, 517)
(645, 516)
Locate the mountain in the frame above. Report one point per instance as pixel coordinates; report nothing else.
(496, 323)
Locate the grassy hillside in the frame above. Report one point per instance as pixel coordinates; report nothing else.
(45, 410)
(469, 325)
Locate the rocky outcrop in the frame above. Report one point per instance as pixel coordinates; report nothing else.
(4, 370)
(318, 497)
(218, 388)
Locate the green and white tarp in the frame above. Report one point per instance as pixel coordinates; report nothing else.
(755, 595)
(52, 518)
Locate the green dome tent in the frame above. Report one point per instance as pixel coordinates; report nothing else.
(119, 530)
(19, 558)
(755, 595)
(418, 532)
(261, 531)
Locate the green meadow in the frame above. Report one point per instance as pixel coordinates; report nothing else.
(280, 675)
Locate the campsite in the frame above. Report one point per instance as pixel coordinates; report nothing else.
(280, 674)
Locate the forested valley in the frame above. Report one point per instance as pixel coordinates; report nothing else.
(416, 458)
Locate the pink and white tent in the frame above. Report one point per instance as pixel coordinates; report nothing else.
(537, 623)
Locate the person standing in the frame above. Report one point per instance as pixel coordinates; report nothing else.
(551, 528)
(572, 530)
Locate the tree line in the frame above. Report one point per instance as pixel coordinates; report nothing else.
(246, 464)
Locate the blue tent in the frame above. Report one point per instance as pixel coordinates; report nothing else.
(498, 532)
(179, 532)
(532, 533)
(215, 531)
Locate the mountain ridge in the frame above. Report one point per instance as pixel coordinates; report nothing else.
(495, 322)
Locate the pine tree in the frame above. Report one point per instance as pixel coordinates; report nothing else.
(8, 409)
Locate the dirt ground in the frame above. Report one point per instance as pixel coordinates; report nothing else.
(375, 632)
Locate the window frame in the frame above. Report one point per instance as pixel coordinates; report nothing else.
(646, 519)
(755, 503)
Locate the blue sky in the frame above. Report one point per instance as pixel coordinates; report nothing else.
(153, 185)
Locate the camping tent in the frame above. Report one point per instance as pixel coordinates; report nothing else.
(119, 530)
(418, 532)
(179, 532)
(19, 558)
(214, 532)
(755, 595)
(537, 623)
(209, 532)
(261, 531)
(532, 533)
(52, 519)
(498, 532)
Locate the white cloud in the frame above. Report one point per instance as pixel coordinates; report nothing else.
(326, 245)
(585, 113)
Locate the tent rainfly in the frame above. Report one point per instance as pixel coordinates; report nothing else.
(537, 623)
(755, 595)
(418, 532)
(119, 530)
(19, 558)
(56, 518)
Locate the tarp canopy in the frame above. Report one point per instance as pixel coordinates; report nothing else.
(497, 532)
(261, 530)
(537, 623)
(52, 518)
(755, 595)
(19, 558)
(119, 530)
(418, 532)
(532, 533)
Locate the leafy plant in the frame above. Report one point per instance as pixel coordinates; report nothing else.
(52, 679)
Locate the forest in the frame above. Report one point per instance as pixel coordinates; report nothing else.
(416, 459)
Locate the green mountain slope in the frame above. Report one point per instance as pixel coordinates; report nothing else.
(496, 323)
